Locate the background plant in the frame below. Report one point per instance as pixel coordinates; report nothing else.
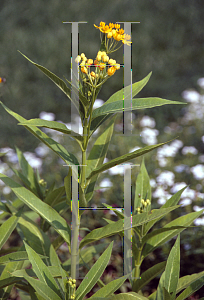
(41, 123)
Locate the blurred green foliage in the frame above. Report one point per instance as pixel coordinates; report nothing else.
(169, 41)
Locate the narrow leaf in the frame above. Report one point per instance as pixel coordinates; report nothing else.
(44, 210)
(69, 158)
(172, 269)
(124, 158)
(41, 270)
(94, 274)
(148, 275)
(6, 229)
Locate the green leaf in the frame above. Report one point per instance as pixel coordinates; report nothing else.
(69, 158)
(53, 125)
(124, 158)
(159, 292)
(187, 280)
(6, 229)
(98, 154)
(110, 288)
(148, 275)
(170, 202)
(117, 227)
(127, 296)
(41, 288)
(59, 82)
(94, 274)
(99, 149)
(192, 288)
(132, 89)
(41, 270)
(161, 238)
(172, 269)
(161, 230)
(138, 103)
(5, 281)
(28, 174)
(143, 188)
(44, 210)
(115, 210)
(15, 256)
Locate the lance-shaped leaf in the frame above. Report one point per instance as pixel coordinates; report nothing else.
(97, 156)
(110, 288)
(117, 227)
(6, 229)
(124, 158)
(44, 210)
(58, 81)
(5, 283)
(163, 237)
(192, 288)
(138, 103)
(69, 158)
(28, 174)
(143, 188)
(170, 202)
(41, 270)
(187, 280)
(94, 274)
(41, 288)
(148, 275)
(15, 256)
(172, 269)
(127, 296)
(125, 93)
(53, 125)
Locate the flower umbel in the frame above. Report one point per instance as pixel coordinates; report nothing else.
(113, 34)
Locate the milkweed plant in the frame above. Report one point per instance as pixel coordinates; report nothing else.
(53, 279)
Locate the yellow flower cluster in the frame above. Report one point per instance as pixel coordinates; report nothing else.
(114, 31)
(72, 283)
(102, 59)
(144, 205)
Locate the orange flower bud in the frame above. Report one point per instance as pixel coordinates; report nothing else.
(111, 71)
(93, 75)
(84, 70)
(118, 37)
(117, 66)
(102, 66)
(117, 26)
(89, 62)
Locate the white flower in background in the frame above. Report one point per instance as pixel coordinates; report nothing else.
(105, 184)
(153, 183)
(202, 138)
(199, 221)
(200, 82)
(168, 151)
(159, 193)
(119, 169)
(189, 150)
(47, 116)
(146, 121)
(166, 178)
(191, 96)
(33, 161)
(198, 172)
(149, 136)
(98, 103)
(76, 126)
(185, 202)
(181, 168)
(6, 190)
(42, 150)
(197, 208)
(10, 154)
(177, 187)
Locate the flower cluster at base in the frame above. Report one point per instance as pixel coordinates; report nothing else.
(72, 285)
(144, 206)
